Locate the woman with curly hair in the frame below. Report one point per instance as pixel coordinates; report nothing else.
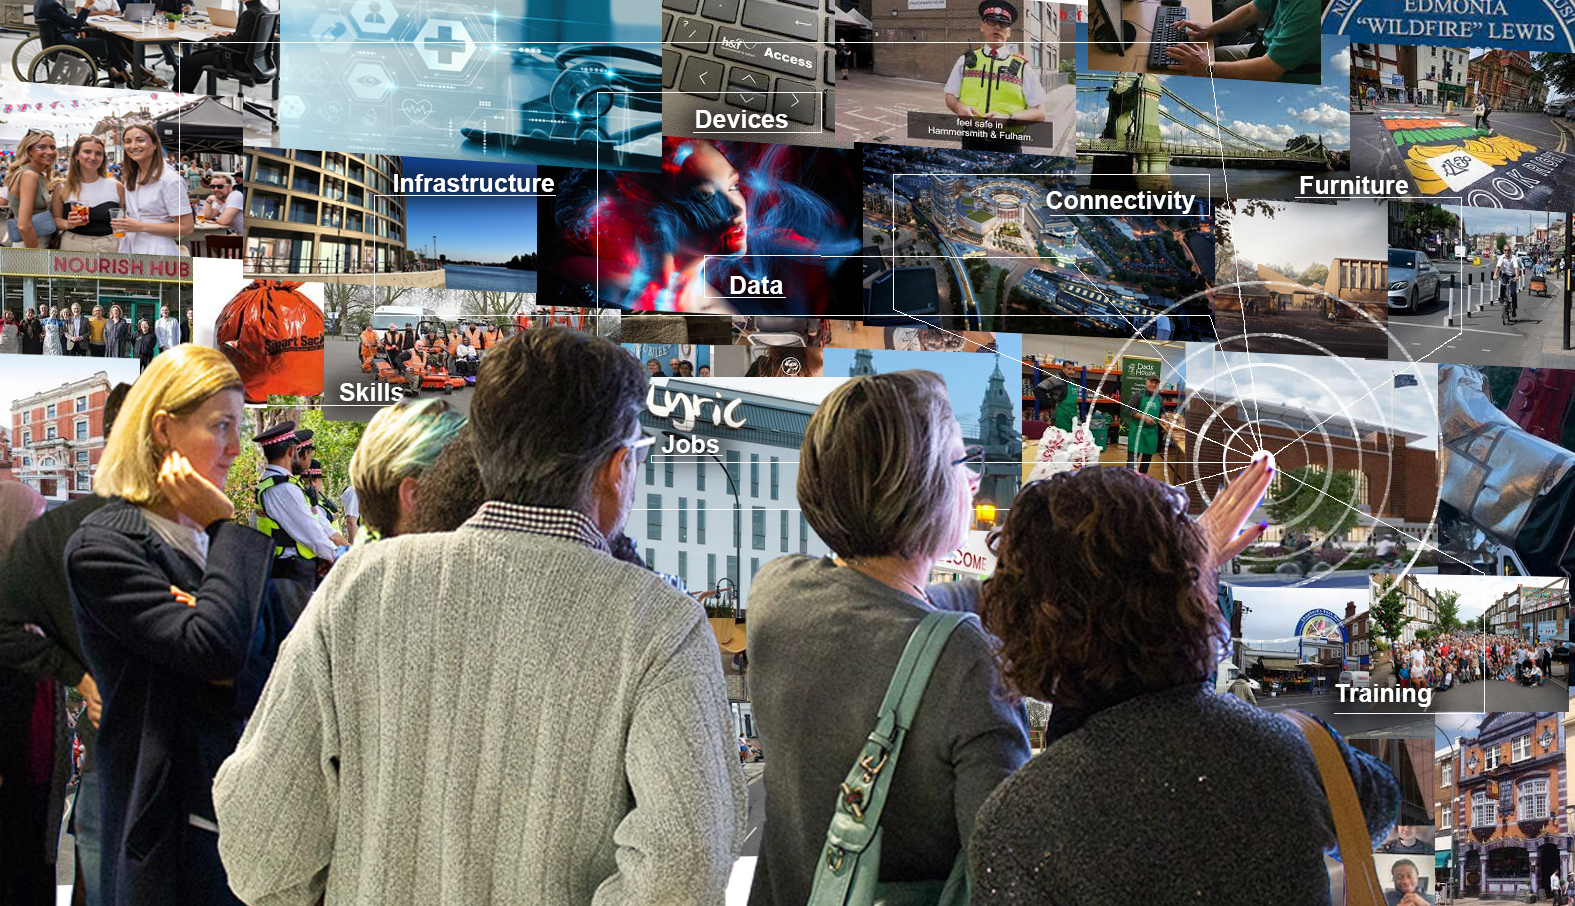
(1153, 788)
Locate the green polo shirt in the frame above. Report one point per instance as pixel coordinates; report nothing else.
(1291, 37)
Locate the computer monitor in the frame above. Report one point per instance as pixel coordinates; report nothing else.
(1107, 29)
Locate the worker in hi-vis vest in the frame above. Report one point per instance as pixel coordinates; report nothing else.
(994, 81)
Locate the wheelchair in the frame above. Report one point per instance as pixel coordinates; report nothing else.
(45, 59)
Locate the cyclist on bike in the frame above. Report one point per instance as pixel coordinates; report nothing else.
(1508, 269)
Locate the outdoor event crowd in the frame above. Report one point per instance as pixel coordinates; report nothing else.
(1453, 658)
(79, 200)
(472, 690)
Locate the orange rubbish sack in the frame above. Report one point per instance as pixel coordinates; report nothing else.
(273, 335)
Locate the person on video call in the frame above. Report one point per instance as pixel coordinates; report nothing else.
(1286, 47)
(995, 81)
(1407, 883)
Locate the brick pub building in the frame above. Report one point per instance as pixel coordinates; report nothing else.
(1395, 481)
(1512, 829)
(57, 437)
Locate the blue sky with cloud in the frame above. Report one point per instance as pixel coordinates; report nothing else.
(1268, 112)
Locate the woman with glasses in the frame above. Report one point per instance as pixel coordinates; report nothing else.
(1105, 601)
(157, 211)
(29, 184)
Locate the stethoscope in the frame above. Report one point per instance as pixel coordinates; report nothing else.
(588, 86)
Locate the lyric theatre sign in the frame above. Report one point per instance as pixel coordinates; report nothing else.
(688, 409)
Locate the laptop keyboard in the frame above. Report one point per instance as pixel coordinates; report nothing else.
(761, 56)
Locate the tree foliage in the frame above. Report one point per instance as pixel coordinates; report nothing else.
(334, 444)
(1387, 614)
(1448, 610)
(492, 303)
(1310, 499)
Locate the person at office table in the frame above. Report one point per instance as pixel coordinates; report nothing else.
(224, 205)
(1288, 51)
(165, 7)
(111, 9)
(70, 31)
(216, 52)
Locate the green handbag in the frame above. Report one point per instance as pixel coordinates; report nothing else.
(849, 874)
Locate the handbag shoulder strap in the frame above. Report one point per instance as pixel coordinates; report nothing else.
(1350, 826)
(862, 795)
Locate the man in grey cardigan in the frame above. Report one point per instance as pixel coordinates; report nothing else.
(501, 714)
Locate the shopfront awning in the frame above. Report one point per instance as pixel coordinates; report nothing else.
(1279, 663)
(1441, 858)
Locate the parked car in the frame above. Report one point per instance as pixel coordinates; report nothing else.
(1412, 278)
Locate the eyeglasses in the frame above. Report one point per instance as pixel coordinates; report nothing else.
(43, 133)
(641, 449)
(973, 457)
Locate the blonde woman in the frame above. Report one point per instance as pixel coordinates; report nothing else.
(399, 445)
(157, 211)
(29, 183)
(169, 595)
(82, 207)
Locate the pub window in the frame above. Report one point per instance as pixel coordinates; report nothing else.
(1484, 809)
(1520, 748)
(1531, 799)
(1490, 758)
(1508, 863)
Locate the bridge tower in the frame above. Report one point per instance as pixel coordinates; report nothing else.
(1134, 120)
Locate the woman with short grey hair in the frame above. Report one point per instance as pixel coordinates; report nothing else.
(885, 481)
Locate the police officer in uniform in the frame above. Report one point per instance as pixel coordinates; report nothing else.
(299, 541)
(995, 81)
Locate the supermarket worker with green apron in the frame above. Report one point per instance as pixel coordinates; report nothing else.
(1144, 410)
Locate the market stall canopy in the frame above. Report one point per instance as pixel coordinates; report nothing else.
(1279, 663)
(204, 127)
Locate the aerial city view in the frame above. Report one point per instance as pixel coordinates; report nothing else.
(970, 234)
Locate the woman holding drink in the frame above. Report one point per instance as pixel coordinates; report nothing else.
(157, 212)
(84, 207)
